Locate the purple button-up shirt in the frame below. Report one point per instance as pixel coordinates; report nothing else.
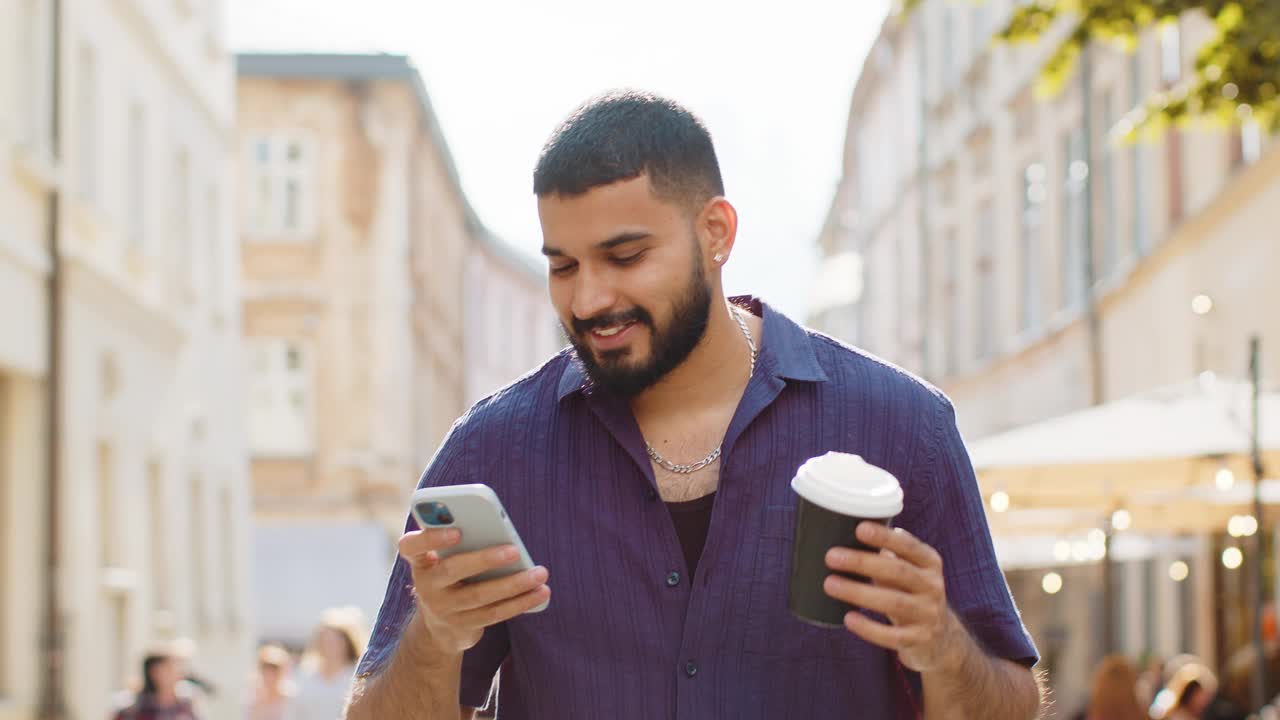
(628, 633)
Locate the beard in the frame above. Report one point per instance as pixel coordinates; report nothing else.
(668, 347)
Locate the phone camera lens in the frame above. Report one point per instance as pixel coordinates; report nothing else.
(435, 513)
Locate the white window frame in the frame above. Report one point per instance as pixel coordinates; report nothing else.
(181, 231)
(1075, 174)
(266, 218)
(36, 80)
(1030, 244)
(1250, 141)
(273, 387)
(986, 294)
(1171, 51)
(136, 189)
(1110, 162)
(87, 109)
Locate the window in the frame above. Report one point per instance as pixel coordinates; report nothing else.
(136, 189)
(1110, 229)
(7, 581)
(1250, 142)
(117, 647)
(986, 320)
(109, 508)
(1171, 51)
(981, 27)
(87, 107)
(197, 534)
(950, 63)
(279, 399)
(36, 36)
(1140, 156)
(1074, 183)
(1034, 194)
(161, 595)
(213, 247)
(950, 303)
(180, 235)
(230, 584)
(279, 183)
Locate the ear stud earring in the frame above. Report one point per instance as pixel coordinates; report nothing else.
(718, 258)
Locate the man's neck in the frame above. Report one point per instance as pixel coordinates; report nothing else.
(714, 373)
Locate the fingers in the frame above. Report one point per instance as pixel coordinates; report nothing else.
(460, 598)
(900, 607)
(891, 637)
(418, 547)
(504, 610)
(456, 568)
(900, 543)
(884, 568)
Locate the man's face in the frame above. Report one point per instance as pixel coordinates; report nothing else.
(628, 281)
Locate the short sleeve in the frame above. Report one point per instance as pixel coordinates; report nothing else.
(480, 663)
(953, 521)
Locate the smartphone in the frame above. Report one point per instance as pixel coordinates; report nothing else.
(476, 511)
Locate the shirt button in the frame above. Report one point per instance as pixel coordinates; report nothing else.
(673, 579)
(691, 668)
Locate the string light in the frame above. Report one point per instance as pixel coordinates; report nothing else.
(1232, 558)
(1178, 571)
(999, 501)
(1051, 583)
(1121, 519)
(1224, 479)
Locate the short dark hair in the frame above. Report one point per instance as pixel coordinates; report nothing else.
(624, 134)
(149, 664)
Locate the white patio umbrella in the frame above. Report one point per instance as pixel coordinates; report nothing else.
(1112, 455)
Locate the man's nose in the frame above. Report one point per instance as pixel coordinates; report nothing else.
(593, 294)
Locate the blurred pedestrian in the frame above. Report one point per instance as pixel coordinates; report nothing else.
(273, 694)
(158, 699)
(1190, 690)
(329, 666)
(1115, 691)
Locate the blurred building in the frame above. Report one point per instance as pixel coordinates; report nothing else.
(371, 318)
(512, 327)
(1006, 248)
(115, 126)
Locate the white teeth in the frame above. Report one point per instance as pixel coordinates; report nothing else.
(611, 331)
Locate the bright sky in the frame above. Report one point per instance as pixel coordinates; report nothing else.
(772, 85)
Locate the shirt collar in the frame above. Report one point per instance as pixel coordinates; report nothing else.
(786, 351)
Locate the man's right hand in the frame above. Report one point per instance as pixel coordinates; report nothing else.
(455, 613)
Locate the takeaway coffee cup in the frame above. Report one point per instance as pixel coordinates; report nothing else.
(836, 492)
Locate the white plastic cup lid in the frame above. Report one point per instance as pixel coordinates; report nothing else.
(849, 485)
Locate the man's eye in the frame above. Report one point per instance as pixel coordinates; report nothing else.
(563, 269)
(629, 259)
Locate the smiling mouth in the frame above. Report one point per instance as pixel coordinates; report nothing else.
(611, 330)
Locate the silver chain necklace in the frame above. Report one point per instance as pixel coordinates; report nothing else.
(696, 466)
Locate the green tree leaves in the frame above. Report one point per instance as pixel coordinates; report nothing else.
(1236, 75)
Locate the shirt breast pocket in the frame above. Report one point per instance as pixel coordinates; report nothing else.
(771, 628)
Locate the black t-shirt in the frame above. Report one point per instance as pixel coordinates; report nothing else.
(692, 519)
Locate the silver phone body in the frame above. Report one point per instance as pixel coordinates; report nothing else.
(479, 515)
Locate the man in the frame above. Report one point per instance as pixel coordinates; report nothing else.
(648, 469)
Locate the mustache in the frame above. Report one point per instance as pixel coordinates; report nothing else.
(635, 314)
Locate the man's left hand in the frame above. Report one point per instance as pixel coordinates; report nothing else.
(907, 587)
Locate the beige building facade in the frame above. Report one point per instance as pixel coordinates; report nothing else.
(511, 326)
(128, 172)
(958, 246)
(355, 242)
